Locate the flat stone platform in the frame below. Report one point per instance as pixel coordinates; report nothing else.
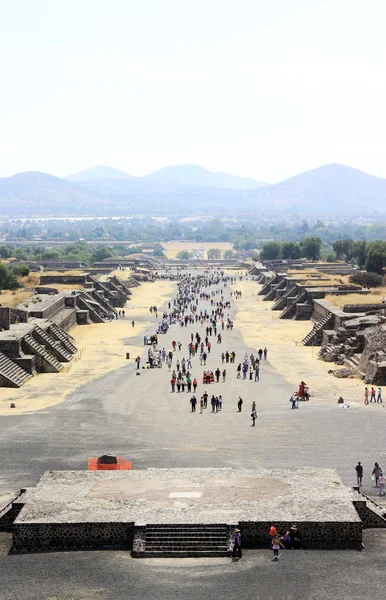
(168, 508)
(171, 496)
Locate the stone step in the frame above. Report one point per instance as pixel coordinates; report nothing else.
(63, 355)
(41, 351)
(63, 337)
(184, 553)
(12, 373)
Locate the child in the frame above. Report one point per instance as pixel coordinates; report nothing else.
(276, 543)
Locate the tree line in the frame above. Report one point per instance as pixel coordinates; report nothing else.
(368, 255)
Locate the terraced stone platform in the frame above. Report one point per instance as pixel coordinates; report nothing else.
(185, 512)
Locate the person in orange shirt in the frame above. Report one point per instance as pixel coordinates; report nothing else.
(272, 533)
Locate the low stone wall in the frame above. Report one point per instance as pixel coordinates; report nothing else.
(71, 279)
(361, 308)
(314, 535)
(62, 536)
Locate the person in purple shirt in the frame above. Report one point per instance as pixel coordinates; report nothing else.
(237, 544)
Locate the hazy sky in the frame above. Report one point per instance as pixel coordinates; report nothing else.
(262, 88)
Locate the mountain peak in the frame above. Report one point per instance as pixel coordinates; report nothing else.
(190, 174)
(99, 172)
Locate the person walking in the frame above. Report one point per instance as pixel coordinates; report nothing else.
(138, 361)
(239, 371)
(276, 545)
(376, 473)
(205, 398)
(219, 403)
(372, 394)
(240, 403)
(367, 394)
(379, 396)
(194, 385)
(382, 484)
(193, 402)
(173, 384)
(217, 373)
(253, 416)
(359, 470)
(237, 544)
(257, 373)
(201, 405)
(224, 374)
(265, 352)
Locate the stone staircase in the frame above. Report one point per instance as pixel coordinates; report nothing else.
(86, 304)
(290, 310)
(56, 348)
(11, 374)
(63, 337)
(40, 351)
(371, 513)
(186, 540)
(312, 338)
(282, 301)
(353, 361)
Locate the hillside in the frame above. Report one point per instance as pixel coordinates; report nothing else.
(99, 172)
(329, 189)
(39, 194)
(195, 175)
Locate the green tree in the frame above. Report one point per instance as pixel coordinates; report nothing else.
(8, 280)
(376, 257)
(311, 247)
(290, 250)
(184, 255)
(228, 254)
(344, 249)
(360, 252)
(271, 250)
(101, 253)
(20, 270)
(366, 279)
(214, 253)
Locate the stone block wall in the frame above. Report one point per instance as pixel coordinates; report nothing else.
(28, 363)
(68, 321)
(18, 316)
(10, 347)
(361, 308)
(5, 318)
(49, 310)
(314, 535)
(370, 519)
(71, 279)
(62, 536)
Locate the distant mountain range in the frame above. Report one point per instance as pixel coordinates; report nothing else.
(190, 190)
(178, 174)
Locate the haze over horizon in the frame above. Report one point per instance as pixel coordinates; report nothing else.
(264, 91)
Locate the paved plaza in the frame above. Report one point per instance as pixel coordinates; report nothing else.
(138, 418)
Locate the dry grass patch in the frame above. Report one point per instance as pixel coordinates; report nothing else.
(371, 298)
(13, 298)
